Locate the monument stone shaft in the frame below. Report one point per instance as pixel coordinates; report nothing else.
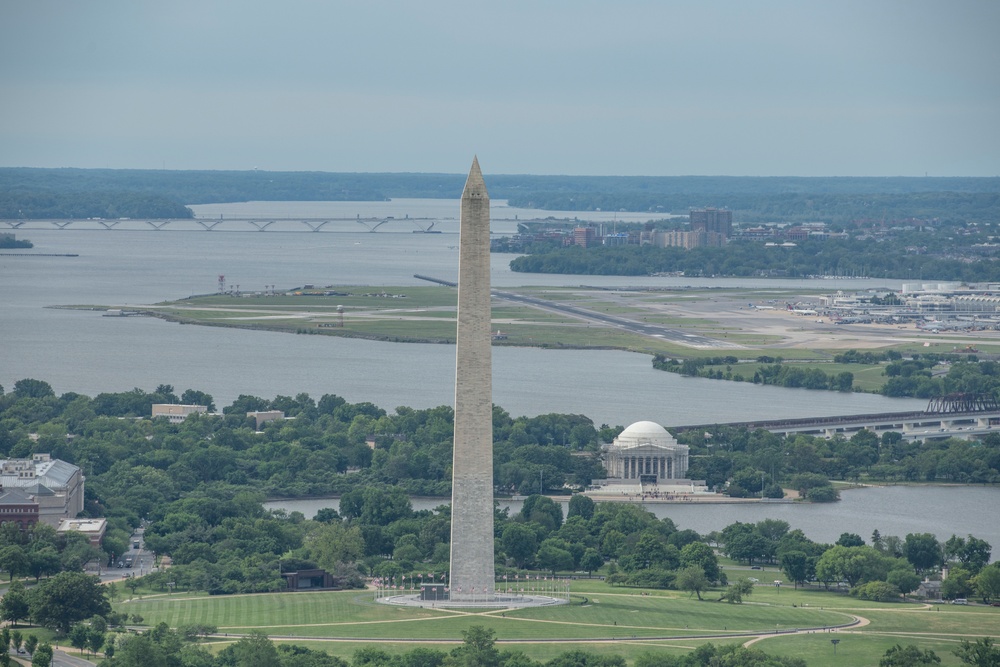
(472, 464)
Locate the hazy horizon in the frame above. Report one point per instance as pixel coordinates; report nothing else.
(570, 87)
(463, 174)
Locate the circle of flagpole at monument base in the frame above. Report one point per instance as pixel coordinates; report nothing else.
(523, 591)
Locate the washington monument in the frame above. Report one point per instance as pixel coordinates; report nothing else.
(472, 466)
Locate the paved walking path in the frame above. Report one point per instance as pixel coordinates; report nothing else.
(859, 622)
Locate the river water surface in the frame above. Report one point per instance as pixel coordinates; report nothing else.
(130, 265)
(82, 351)
(892, 510)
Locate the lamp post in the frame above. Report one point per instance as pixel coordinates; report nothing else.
(835, 642)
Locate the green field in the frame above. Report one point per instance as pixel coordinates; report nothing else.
(866, 377)
(601, 618)
(418, 313)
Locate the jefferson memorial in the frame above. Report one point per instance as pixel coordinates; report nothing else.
(646, 451)
(645, 455)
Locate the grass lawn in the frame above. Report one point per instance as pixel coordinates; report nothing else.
(581, 335)
(426, 314)
(542, 651)
(936, 347)
(857, 650)
(410, 319)
(605, 619)
(607, 613)
(347, 296)
(866, 377)
(404, 328)
(944, 619)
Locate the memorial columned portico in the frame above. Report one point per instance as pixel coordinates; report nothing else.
(631, 467)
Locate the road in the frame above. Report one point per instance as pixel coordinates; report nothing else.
(61, 658)
(142, 564)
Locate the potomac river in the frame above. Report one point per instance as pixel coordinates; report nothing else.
(131, 265)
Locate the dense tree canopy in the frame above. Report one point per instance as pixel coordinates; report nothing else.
(200, 484)
(67, 598)
(755, 258)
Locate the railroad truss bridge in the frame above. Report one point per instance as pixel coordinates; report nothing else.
(970, 416)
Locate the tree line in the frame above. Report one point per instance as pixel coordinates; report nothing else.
(765, 199)
(198, 484)
(20, 204)
(162, 646)
(743, 463)
(900, 258)
(916, 376)
(885, 570)
(8, 241)
(202, 481)
(839, 208)
(775, 373)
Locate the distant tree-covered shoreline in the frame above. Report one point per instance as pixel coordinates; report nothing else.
(7, 242)
(23, 204)
(840, 257)
(837, 200)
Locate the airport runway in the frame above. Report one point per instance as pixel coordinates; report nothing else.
(640, 328)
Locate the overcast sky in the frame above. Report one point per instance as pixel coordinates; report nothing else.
(657, 87)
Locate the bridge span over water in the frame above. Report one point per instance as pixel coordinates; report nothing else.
(423, 225)
(942, 419)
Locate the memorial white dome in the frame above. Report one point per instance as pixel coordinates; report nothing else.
(644, 430)
(645, 433)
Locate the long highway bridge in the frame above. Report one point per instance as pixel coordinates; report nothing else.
(956, 416)
(423, 225)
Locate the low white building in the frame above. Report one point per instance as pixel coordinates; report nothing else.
(176, 412)
(261, 417)
(93, 529)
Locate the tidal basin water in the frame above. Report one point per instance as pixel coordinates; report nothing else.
(892, 510)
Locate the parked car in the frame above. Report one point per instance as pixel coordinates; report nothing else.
(960, 601)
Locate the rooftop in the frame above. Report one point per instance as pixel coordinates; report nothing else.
(16, 497)
(82, 525)
(37, 476)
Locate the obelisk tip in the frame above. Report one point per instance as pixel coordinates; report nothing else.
(475, 185)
